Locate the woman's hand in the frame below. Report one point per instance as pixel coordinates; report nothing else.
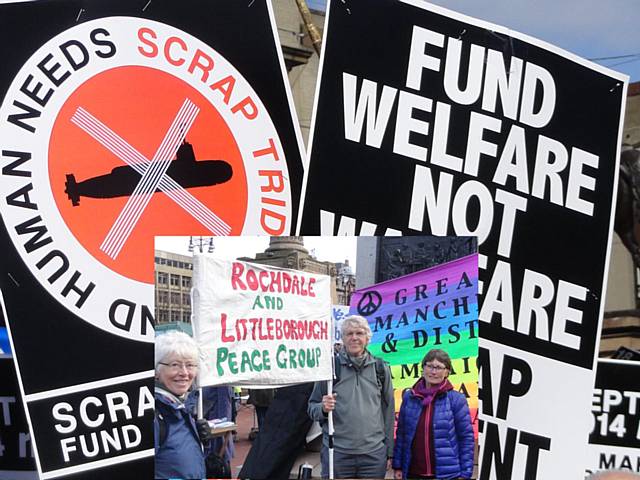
(397, 474)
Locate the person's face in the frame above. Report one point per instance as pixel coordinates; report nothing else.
(355, 340)
(177, 373)
(435, 372)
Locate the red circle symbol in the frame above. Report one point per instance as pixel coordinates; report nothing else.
(138, 105)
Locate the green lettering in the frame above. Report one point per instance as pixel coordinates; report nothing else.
(246, 362)
(221, 357)
(301, 358)
(292, 359)
(233, 364)
(273, 303)
(281, 356)
(256, 365)
(257, 302)
(266, 360)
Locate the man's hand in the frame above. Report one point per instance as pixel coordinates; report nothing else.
(204, 430)
(397, 474)
(329, 403)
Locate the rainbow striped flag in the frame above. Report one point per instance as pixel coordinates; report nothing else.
(432, 308)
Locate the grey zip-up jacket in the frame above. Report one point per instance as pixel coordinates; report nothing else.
(364, 416)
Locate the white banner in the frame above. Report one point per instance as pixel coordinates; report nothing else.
(261, 325)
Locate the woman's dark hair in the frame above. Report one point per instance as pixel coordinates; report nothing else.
(439, 355)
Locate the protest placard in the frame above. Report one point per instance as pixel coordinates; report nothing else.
(261, 325)
(120, 121)
(16, 454)
(614, 442)
(338, 312)
(450, 125)
(432, 308)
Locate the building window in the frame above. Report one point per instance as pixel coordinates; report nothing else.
(175, 280)
(175, 298)
(186, 299)
(163, 297)
(175, 315)
(186, 282)
(163, 316)
(186, 317)
(162, 278)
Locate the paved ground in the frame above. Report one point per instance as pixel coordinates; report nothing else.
(246, 421)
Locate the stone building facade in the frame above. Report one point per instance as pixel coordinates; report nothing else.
(173, 273)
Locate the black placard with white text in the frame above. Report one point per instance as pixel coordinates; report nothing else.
(121, 120)
(16, 454)
(447, 125)
(614, 442)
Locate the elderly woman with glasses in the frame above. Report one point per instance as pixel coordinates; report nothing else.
(434, 438)
(178, 451)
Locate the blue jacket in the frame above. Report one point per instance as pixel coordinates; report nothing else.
(452, 434)
(180, 454)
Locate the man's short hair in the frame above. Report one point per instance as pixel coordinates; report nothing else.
(358, 322)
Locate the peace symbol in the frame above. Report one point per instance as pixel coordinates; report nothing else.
(369, 303)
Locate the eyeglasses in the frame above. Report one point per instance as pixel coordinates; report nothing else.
(433, 368)
(177, 366)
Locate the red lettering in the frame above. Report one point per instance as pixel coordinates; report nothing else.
(242, 322)
(142, 34)
(252, 279)
(225, 86)
(167, 50)
(247, 107)
(286, 282)
(275, 181)
(278, 217)
(311, 282)
(273, 201)
(205, 67)
(270, 328)
(270, 150)
(275, 282)
(225, 337)
(236, 271)
(295, 287)
(324, 330)
(254, 322)
(303, 290)
(264, 275)
(279, 329)
(261, 336)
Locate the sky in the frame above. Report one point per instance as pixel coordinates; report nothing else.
(591, 29)
(331, 249)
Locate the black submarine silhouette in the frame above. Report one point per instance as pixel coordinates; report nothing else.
(185, 170)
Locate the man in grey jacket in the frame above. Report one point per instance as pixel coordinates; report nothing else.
(363, 408)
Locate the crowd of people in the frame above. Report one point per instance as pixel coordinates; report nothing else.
(433, 431)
